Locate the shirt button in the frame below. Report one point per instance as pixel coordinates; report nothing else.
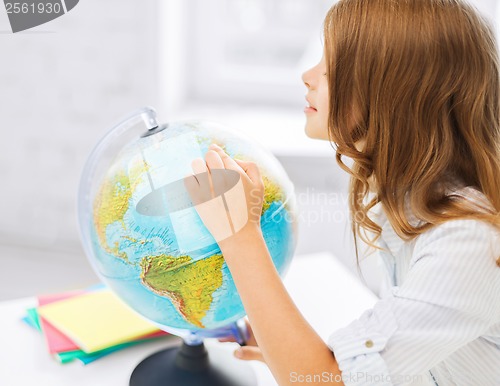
(369, 343)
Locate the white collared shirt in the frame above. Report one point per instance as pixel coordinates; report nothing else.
(438, 319)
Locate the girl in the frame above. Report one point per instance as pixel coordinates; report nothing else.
(409, 90)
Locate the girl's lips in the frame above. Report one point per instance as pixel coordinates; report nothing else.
(309, 108)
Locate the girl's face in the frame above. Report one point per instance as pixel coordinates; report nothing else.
(315, 79)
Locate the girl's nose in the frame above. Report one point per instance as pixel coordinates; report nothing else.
(306, 78)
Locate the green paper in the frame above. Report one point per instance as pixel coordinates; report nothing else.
(33, 316)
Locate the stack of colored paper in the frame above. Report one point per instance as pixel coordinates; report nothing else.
(88, 324)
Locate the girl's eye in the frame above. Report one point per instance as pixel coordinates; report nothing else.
(324, 74)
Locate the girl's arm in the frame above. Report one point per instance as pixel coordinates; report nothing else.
(288, 343)
(291, 348)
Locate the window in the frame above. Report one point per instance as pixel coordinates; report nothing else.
(253, 51)
(239, 62)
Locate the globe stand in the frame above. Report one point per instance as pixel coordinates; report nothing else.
(193, 365)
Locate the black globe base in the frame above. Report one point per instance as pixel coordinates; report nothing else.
(193, 366)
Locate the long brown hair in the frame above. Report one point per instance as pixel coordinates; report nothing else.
(417, 83)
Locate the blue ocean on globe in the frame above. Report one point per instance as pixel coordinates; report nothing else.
(167, 266)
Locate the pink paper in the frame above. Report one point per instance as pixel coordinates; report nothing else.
(56, 341)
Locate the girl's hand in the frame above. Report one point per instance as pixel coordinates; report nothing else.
(249, 352)
(227, 193)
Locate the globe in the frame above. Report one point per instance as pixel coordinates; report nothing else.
(144, 237)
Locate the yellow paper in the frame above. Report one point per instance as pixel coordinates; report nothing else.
(96, 320)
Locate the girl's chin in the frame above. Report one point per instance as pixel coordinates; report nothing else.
(316, 133)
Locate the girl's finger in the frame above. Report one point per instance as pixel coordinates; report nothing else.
(229, 163)
(249, 353)
(251, 169)
(227, 339)
(199, 166)
(200, 186)
(213, 160)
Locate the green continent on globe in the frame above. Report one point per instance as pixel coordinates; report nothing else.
(112, 202)
(272, 193)
(189, 285)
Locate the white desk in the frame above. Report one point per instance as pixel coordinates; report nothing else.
(328, 295)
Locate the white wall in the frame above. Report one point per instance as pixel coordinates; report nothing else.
(61, 87)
